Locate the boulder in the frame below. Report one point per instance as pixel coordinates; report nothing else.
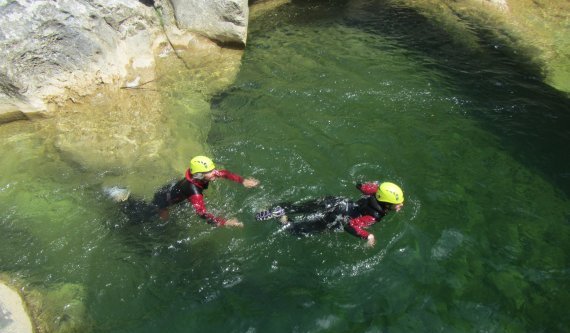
(221, 20)
(57, 50)
(52, 48)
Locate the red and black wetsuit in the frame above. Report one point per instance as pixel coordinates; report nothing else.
(191, 189)
(337, 212)
(369, 211)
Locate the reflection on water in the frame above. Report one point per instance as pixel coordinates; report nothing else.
(323, 100)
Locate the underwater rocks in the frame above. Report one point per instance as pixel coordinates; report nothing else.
(534, 30)
(58, 308)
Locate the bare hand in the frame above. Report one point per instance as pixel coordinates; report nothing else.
(283, 219)
(233, 222)
(250, 182)
(370, 241)
(163, 213)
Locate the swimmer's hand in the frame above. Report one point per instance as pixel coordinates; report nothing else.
(250, 182)
(233, 222)
(370, 241)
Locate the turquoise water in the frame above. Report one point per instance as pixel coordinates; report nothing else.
(326, 98)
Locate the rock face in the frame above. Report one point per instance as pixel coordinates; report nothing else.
(224, 21)
(55, 49)
(49, 47)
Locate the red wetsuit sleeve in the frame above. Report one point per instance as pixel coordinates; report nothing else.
(197, 201)
(229, 175)
(368, 188)
(358, 224)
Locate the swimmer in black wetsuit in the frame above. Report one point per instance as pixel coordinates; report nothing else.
(196, 179)
(331, 213)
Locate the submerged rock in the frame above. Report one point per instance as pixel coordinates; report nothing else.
(58, 308)
(535, 30)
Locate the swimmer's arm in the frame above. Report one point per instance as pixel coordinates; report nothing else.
(229, 175)
(197, 201)
(368, 188)
(247, 182)
(356, 227)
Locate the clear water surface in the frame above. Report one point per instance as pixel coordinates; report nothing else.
(326, 98)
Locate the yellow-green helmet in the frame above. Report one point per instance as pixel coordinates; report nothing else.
(390, 193)
(201, 164)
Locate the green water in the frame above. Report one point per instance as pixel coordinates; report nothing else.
(326, 98)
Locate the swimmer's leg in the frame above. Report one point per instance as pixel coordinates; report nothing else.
(304, 208)
(274, 212)
(283, 209)
(166, 197)
(305, 224)
(163, 214)
(138, 211)
(117, 194)
(326, 214)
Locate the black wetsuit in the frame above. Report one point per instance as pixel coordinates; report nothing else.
(334, 213)
(176, 192)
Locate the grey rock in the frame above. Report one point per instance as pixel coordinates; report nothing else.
(55, 49)
(222, 20)
(49, 47)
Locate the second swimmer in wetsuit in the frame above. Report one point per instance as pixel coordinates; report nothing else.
(331, 213)
(196, 179)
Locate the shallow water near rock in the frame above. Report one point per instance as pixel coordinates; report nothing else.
(324, 99)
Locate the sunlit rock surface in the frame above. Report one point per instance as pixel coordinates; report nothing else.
(54, 51)
(225, 21)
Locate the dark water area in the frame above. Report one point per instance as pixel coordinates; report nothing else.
(328, 95)
(514, 107)
(380, 92)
